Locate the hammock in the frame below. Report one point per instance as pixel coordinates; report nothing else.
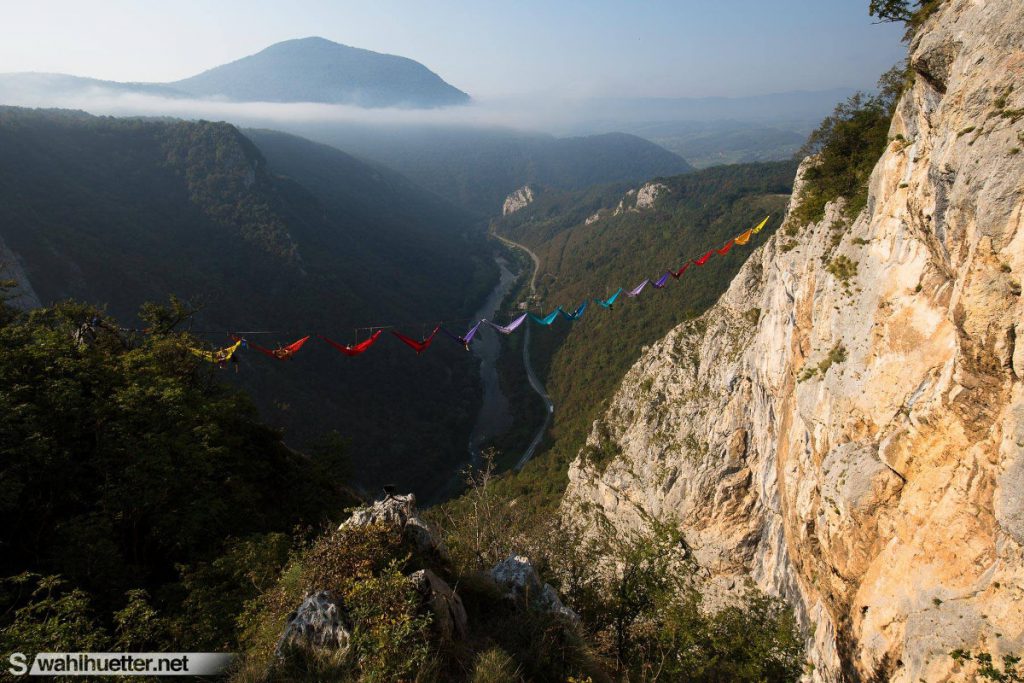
(704, 259)
(577, 314)
(635, 292)
(745, 237)
(353, 349)
(661, 281)
(417, 346)
(511, 327)
(465, 339)
(220, 357)
(725, 250)
(760, 225)
(610, 301)
(678, 273)
(281, 352)
(548, 319)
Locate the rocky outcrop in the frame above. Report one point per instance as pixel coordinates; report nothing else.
(646, 195)
(846, 425)
(521, 584)
(322, 621)
(640, 200)
(400, 511)
(519, 199)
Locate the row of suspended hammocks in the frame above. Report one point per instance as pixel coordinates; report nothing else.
(222, 356)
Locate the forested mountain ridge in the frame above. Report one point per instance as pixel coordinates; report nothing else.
(477, 167)
(592, 242)
(120, 211)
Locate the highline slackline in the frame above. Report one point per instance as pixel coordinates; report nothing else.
(239, 341)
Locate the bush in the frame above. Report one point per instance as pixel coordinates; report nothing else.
(847, 145)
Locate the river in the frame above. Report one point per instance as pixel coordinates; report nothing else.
(494, 417)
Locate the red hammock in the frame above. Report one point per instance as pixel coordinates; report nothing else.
(353, 349)
(417, 346)
(725, 250)
(281, 352)
(704, 259)
(678, 273)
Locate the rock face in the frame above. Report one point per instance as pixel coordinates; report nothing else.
(519, 199)
(846, 425)
(639, 200)
(647, 194)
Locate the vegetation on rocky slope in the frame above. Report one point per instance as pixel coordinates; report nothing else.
(582, 364)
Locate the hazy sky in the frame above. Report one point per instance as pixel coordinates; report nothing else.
(683, 48)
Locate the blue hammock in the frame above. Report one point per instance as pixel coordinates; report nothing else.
(548, 319)
(607, 303)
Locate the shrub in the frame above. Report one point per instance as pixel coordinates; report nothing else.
(848, 143)
(843, 268)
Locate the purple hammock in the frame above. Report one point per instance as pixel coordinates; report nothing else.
(639, 288)
(511, 327)
(466, 338)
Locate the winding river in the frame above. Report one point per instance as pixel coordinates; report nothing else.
(494, 417)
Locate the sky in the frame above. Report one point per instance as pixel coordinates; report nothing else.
(570, 48)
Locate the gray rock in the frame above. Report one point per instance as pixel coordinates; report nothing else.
(517, 577)
(319, 622)
(449, 613)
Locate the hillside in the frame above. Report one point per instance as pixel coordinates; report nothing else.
(589, 247)
(118, 212)
(844, 425)
(318, 70)
(477, 167)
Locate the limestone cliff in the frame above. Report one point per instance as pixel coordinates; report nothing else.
(519, 199)
(846, 425)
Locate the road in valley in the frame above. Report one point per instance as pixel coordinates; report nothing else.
(535, 383)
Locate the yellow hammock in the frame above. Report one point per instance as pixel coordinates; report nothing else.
(760, 225)
(221, 356)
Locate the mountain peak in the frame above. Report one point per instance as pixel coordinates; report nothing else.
(315, 69)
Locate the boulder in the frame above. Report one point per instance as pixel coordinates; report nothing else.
(449, 613)
(319, 622)
(517, 577)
